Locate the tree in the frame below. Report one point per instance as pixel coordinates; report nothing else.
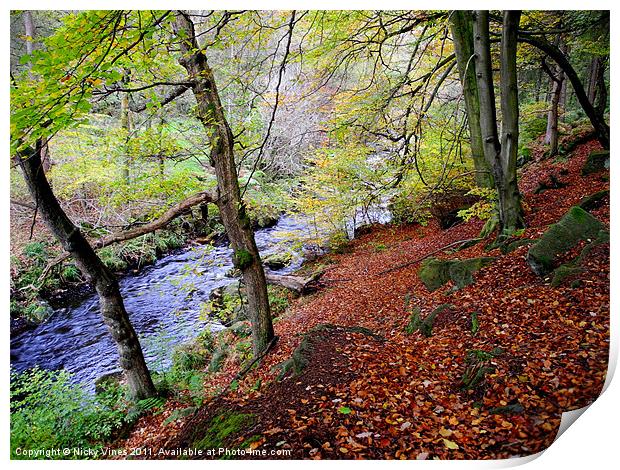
(46, 100)
(110, 301)
(501, 155)
(231, 206)
(461, 27)
(596, 118)
(557, 85)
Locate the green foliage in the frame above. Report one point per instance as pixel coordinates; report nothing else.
(278, 299)
(242, 258)
(409, 209)
(340, 181)
(532, 122)
(483, 209)
(222, 427)
(218, 358)
(475, 324)
(477, 366)
(50, 412)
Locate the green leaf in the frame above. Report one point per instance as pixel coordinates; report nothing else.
(344, 410)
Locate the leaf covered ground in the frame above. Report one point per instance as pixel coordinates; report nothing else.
(537, 350)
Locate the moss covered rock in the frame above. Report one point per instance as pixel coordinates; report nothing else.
(277, 261)
(434, 272)
(574, 226)
(598, 160)
(594, 201)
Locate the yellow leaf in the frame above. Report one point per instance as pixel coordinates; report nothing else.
(445, 432)
(450, 444)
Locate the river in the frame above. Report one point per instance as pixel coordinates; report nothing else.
(163, 301)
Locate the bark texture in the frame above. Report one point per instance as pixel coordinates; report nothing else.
(232, 210)
(110, 301)
(502, 156)
(461, 27)
(509, 196)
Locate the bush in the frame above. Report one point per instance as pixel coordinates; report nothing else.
(49, 412)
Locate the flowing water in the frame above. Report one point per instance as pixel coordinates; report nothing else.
(164, 304)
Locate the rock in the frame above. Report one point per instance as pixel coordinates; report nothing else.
(364, 229)
(39, 313)
(598, 160)
(593, 201)
(513, 245)
(434, 272)
(241, 329)
(574, 226)
(106, 381)
(265, 221)
(277, 261)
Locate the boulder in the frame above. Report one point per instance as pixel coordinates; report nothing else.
(434, 272)
(598, 160)
(277, 261)
(576, 225)
(594, 201)
(106, 381)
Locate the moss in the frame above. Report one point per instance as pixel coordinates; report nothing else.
(414, 321)
(218, 358)
(489, 227)
(512, 246)
(598, 160)
(562, 272)
(574, 226)
(593, 201)
(242, 259)
(222, 427)
(477, 367)
(277, 261)
(434, 273)
(567, 270)
(424, 325)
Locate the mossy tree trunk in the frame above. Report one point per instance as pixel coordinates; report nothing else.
(232, 209)
(461, 27)
(501, 156)
(110, 301)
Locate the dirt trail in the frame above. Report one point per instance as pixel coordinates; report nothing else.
(400, 398)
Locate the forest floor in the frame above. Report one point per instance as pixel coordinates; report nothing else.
(394, 395)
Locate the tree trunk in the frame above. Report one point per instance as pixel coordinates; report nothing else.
(551, 134)
(501, 156)
(110, 301)
(461, 25)
(558, 91)
(232, 210)
(594, 70)
(601, 90)
(597, 120)
(511, 217)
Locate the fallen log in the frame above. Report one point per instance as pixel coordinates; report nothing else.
(167, 217)
(298, 284)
